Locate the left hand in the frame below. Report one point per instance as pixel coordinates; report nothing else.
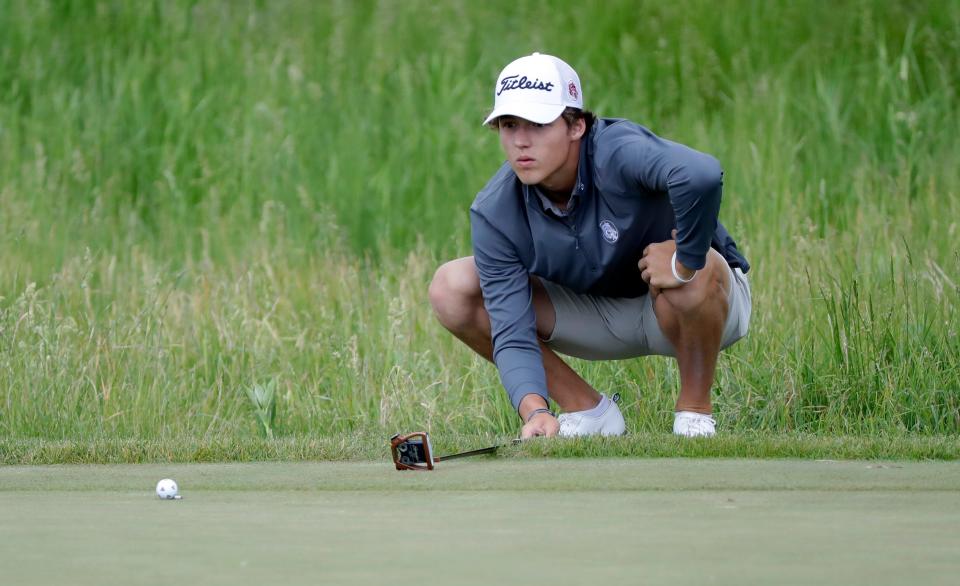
(654, 265)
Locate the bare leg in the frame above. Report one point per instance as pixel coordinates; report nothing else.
(458, 303)
(692, 318)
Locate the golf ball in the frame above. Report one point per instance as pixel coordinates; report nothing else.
(167, 489)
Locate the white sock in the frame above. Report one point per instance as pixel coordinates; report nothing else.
(599, 410)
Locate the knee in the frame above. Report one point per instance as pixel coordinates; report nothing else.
(455, 293)
(709, 290)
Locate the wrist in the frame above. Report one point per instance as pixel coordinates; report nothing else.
(536, 412)
(684, 275)
(529, 404)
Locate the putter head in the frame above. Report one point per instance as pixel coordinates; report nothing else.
(412, 451)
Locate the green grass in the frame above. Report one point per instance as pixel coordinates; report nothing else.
(201, 198)
(676, 521)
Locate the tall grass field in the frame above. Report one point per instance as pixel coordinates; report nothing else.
(218, 219)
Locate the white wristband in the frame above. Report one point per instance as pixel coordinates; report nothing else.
(676, 275)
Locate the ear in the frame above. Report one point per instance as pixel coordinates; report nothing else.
(576, 130)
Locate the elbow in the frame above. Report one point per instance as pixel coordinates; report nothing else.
(700, 173)
(707, 175)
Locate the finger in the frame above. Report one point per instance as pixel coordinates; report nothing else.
(646, 250)
(642, 265)
(673, 233)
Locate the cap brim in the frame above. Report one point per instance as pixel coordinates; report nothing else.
(538, 113)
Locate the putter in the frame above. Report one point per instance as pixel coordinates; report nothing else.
(413, 451)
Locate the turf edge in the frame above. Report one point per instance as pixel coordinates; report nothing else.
(365, 447)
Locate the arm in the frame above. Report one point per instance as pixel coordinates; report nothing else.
(692, 180)
(508, 299)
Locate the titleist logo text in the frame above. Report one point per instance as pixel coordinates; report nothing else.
(515, 82)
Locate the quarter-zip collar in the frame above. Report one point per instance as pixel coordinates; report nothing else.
(584, 180)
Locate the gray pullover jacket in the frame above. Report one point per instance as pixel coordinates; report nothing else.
(632, 189)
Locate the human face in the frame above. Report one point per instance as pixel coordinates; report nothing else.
(542, 154)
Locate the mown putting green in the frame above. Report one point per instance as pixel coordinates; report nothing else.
(602, 521)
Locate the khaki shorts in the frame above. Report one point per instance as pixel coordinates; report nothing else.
(611, 328)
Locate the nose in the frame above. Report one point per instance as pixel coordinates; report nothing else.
(521, 138)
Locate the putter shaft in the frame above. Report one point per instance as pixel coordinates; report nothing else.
(489, 450)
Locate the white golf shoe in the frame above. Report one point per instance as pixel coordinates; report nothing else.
(604, 419)
(692, 424)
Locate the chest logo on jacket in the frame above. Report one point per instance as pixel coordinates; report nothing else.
(609, 231)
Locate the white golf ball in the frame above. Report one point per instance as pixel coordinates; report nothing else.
(167, 489)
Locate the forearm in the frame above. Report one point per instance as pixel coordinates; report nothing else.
(695, 191)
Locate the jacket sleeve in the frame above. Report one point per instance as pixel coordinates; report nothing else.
(508, 298)
(692, 180)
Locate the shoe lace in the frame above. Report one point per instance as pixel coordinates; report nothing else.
(568, 422)
(701, 424)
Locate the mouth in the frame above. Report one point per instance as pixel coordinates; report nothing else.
(525, 162)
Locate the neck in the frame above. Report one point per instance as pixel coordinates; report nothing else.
(559, 186)
(561, 198)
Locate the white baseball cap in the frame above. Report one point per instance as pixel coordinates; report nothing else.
(536, 88)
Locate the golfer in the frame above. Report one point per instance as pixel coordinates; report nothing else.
(595, 239)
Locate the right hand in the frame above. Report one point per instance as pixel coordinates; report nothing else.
(541, 424)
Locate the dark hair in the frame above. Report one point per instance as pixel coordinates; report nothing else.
(570, 115)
